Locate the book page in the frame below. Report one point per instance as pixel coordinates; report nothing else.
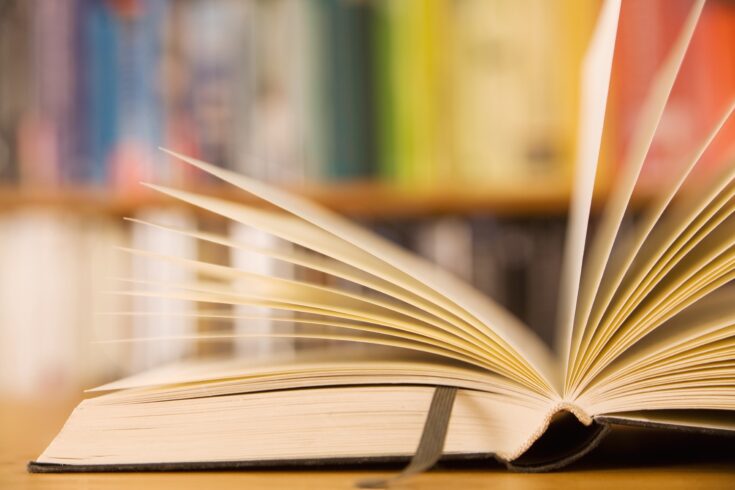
(267, 289)
(329, 266)
(405, 328)
(595, 84)
(389, 262)
(685, 363)
(635, 250)
(697, 332)
(698, 419)
(307, 369)
(708, 264)
(621, 193)
(698, 226)
(324, 264)
(699, 392)
(266, 286)
(308, 424)
(305, 234)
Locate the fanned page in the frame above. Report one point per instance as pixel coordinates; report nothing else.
(595, 84)
(344, 367)
(695, 347)
(650, 115)
(388, 261)
(405, 302)
(654, 324)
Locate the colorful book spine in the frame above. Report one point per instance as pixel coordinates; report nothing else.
(348, 82)
(410, 56)
(46, 133)
(306, 56)
(135, 156)
(14, 83)
(283, 138)
(384, 95)
(424, 93)
(716, 80)
(100, 81)
(512, 119)
(216, 43)
(704, 88)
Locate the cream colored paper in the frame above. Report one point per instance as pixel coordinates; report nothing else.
(619, 198)
(595, 84)
(460, 298)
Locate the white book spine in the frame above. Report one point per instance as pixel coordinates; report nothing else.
(170, 316)
(39, 303)
(448, 243)
(256, 347)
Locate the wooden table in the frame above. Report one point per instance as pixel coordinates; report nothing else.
(628, 462)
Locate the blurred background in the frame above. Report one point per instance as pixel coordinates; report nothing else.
(448, 126)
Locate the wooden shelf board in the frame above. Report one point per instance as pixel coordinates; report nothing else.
(361, 199)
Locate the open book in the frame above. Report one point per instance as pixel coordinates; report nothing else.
(646, 331)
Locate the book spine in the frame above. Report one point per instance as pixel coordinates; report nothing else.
(703, 87)
(254, 348)
(43, 134)
(101, 78)
(573, 23)
(448, 243)
(383, 40)
(280, 151)
(716, 79)
(412, 58)
(15, 67)
(170, 317)
(510, 117)
(97, 266)
(348, 80)
(518, 265)
(40, 307)
(217, 56)
(310, 88)
(139, 117)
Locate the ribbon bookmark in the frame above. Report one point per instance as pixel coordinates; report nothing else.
(431, 445)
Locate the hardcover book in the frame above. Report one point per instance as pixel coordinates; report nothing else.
(646, 330)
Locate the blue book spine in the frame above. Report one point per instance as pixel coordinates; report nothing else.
(101, 84)
(140, 114)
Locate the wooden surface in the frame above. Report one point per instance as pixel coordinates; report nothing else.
(627, 462)
(357, 199)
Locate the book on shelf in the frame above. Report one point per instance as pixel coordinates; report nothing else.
(464, 92)
(57, 268)
(703, 86)
(645, 337)
(167, 316)
(513, 89)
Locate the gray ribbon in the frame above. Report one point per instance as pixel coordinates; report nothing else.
(431, 445)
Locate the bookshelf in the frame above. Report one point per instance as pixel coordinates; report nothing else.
(369, 200)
